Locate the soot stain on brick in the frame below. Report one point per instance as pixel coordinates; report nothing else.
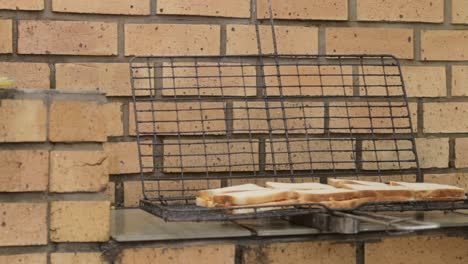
(10, 94)
(111, 251)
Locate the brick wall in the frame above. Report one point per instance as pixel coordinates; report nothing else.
(63, 147)
(53, 175)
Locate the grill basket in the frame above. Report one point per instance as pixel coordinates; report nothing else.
(210, 122)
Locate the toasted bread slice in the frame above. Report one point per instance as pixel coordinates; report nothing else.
(299, 186)
(432, 191)
(347, 204)
(204, 202)
(313, 196)
(208, 194)
(250, 197)
(262, 207)
(381, 191)
(292, 187)
(339, 183)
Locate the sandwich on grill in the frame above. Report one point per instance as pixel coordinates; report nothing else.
(316, 196)
(382, 192)
(292, 187)
(205, 197)
(250, 197)
(340, 183)
(432, 191)
(299, 186)
(340, 194)
(337, 198)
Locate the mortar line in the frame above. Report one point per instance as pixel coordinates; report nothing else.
(452, 153)
(322, 42)
(53, 76)
(15, 35)
(420, 114)
(448, 12)
(125, 108)
(47, 12)
(153, 7)
(448, 80)
(352, 10)
(417, 44)
(360, 252)
(223, 40)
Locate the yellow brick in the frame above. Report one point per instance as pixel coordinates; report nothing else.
(37, 258)
(357, 116)
(251, 117)
(379, 81)
(213, 79)
(24, 170)
(459, 80)
(241, 39)
(118, 7)
(83, 221)
(425, 81)
(243, 155)
(22, 5)
(6, 42)
(394, 41)
(77, 121)
(440, 45)
(305, 9)
(122, 157)
(171, 39)
(27, 75)
(113, 117)
(193, 118)
(384, 155)
(23, 224)
(446, 117)
(459, 12)
(401, 10)
(455, 179)
(77, 258)
(111, 78)
(78, 171)
(133, 192)
(219, 254)
(461, 152)
(313, 154)
(433, 152)
(217, 8)
(300, 252)
(22, 121)
(418, 250)
(308, 80)
(67, 38)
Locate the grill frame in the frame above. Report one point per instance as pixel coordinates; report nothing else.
(163, 205)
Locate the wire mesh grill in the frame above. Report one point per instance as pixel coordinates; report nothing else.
(208, 122)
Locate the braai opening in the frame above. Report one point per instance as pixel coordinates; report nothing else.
(215, 121)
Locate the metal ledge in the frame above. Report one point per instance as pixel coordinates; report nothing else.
(135, 225)
(130, 225)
